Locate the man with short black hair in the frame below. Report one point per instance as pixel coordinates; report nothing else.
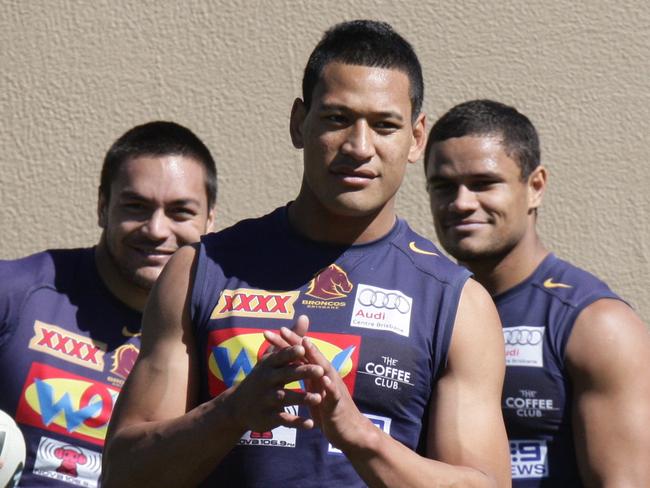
(399, 364)
(575, 402)
(70, 318)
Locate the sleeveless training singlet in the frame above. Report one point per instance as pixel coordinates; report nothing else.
(382, 313)
(537, 317)
(66, 346)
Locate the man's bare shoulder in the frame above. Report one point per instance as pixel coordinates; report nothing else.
(167, 310)
(477, 328)
(607, 332)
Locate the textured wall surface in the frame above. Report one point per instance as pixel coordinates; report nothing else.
(74, 75)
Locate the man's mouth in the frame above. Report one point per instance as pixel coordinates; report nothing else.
(155, 255)
(354, 176)
(465, 224)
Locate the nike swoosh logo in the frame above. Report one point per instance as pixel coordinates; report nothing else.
(127, 333)
(549, 283)
(416, 249)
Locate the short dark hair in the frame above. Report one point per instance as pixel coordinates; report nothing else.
(365, 43)
(489, 118)
(158, 138)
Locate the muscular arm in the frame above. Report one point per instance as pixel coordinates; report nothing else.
(157, 420)
(466, 442)
(608, 356)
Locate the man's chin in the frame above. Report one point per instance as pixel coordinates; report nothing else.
(476, 254)
(465, 252)
(144, 278)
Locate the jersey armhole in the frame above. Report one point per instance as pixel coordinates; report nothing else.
(198, 286)
(442, 340)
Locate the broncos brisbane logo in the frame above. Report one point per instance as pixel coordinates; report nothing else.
(330, 283)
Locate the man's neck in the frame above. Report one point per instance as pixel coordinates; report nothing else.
(126, 292)
(502, 273)
(312, 220)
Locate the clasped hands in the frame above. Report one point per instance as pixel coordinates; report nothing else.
(262, 396)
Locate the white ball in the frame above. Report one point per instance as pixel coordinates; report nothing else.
(12, 451)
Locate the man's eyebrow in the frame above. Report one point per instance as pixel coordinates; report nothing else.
(132, 195)
(387, 114)
(487, 175)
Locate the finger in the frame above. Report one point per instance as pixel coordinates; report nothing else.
(276, 341)
(302, 372)
(314, 356)
(328, 385)
(284, 356)
(286, 398)
(294, 335)
(301, 326)
(289, 420)
(288, 337)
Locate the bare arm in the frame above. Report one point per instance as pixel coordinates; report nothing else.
(157, 420)
(467, 444)
(608, 356)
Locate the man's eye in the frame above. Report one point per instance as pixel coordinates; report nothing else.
(481, 185)
(336, 119)
(182, 213)
(386, 126)
(133, 207)
(439, 186)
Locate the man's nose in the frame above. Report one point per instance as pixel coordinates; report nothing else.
(359, 143)
(157, 227)
(465, 200)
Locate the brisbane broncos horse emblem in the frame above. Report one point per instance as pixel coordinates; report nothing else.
(330, 283)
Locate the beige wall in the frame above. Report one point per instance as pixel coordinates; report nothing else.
(74, 75)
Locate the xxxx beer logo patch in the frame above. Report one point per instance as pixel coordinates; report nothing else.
(66, 403)
(245, 302)
(68, 346)
(233, 353)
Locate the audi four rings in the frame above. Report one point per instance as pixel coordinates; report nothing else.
(380, 299)
(522, 337)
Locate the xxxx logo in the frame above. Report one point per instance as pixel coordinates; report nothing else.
(65, 345)
(245, 302)
(68, 404)
(233, 353)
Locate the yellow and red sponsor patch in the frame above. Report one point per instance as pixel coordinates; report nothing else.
(233, 353)
(63, 344)
(62, 402)
(246, 302)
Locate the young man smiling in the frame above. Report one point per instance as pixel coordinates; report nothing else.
(396, 371)
(576, 399)
(70, 318)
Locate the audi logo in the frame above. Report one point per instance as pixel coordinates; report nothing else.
(381, 299)
(522, 337)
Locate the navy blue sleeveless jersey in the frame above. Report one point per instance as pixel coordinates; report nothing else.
(537, 317)
(381, 312)
(66, 346)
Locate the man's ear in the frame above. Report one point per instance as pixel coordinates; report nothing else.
(419, 138)
(298, 114)
(536, 187)
(212, 215)
(102, 209)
